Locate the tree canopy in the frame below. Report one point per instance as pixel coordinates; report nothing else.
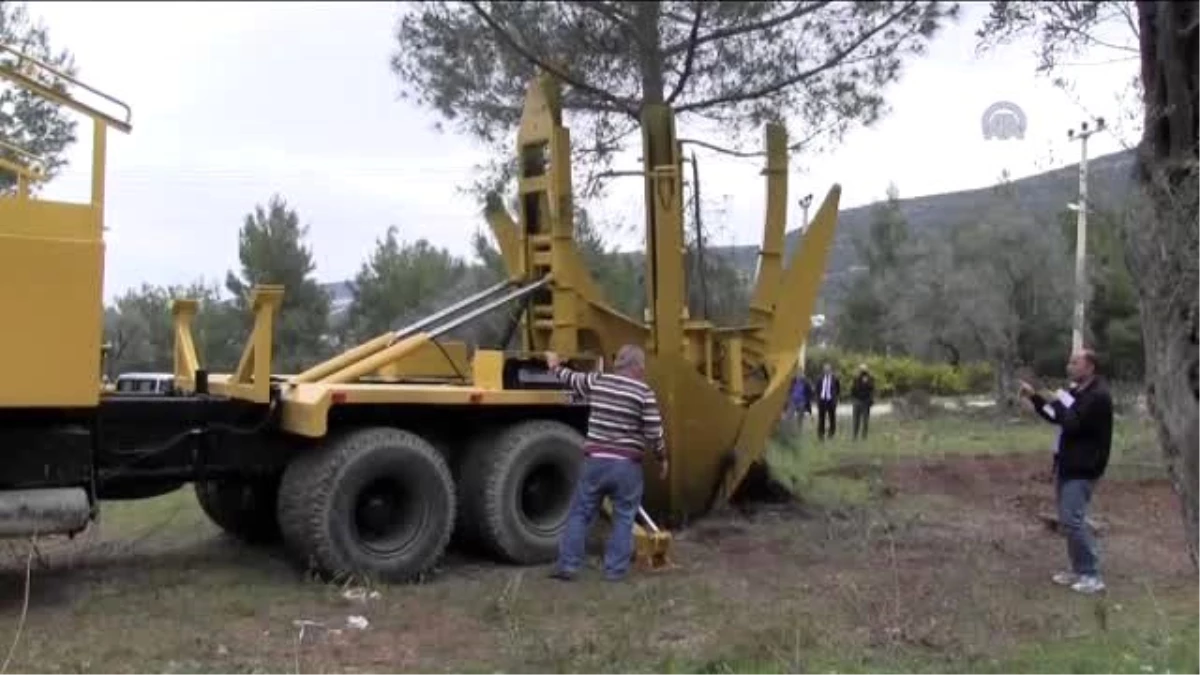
(1070, 34)
(271, 249)
(1063, 29)
(734, 63)
(399, 281)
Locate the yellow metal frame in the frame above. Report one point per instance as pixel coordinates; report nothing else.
(52, 261)
(28, 167)
(721, 388)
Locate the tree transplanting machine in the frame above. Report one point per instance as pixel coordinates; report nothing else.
(369, 462)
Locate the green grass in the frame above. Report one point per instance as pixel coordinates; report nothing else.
(798, 460)
(911, 584)
(1174, 650)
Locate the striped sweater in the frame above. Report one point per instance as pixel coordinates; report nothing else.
(623, 418)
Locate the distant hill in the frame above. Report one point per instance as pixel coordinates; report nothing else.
(1043, 195)
(341, 294)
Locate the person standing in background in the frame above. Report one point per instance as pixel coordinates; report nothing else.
(800, 400)
(829, 389)
(862, 395)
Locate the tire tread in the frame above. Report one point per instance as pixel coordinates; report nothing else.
(217, 498)
(482, 487)
(306, 496)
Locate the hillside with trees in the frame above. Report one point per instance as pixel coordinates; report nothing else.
(978, 275)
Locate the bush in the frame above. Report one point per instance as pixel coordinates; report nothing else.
(901, 375)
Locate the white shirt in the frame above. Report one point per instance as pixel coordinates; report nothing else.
(1067, 400)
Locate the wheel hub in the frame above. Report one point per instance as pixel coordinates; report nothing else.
(545, 496)
(387, 516)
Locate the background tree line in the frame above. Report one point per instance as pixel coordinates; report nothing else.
(398, 282)
(997, 289)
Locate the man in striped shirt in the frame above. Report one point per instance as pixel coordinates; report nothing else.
(624, 423)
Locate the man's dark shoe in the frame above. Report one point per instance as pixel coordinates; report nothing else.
(562, 575)
(615, 577)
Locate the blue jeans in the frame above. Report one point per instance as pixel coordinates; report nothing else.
(621, 481)
(1073, 497)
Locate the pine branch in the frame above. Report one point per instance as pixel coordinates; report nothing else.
(780, 85)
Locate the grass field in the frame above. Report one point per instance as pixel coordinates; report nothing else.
(918, 550)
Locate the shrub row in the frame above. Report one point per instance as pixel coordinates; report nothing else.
(901, 375)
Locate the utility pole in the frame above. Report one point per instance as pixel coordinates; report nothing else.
(1081, 232)
(805, 202)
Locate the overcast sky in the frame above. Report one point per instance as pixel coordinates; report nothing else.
(235, 102)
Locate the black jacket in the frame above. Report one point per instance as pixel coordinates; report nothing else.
(1086, 440)
(863, 388)
(835, 388)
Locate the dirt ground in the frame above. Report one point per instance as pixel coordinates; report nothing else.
(946, 568)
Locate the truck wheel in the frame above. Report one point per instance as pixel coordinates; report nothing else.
(378, 502)
(517, 487)
(243, 508)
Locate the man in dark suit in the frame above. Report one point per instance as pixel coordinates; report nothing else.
(829, 389)
(1084, 415)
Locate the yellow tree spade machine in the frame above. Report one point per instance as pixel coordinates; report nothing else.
(369, 462)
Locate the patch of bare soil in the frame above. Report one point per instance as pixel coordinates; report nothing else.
(955, 558)
(1139, 519)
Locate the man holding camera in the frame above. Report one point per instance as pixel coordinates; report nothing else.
(1084, 415)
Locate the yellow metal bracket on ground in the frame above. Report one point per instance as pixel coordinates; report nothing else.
(651, 550)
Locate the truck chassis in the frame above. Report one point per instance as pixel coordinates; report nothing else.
(381, 494)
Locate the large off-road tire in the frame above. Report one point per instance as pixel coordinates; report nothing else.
(516, 489)
(375, 502)
(243, 508)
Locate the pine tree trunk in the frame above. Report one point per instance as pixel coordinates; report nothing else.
(1161, 241)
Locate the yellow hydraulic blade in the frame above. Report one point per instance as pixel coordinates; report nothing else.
(506, 232)
(788, 330)
(770, 268)
(802, 282)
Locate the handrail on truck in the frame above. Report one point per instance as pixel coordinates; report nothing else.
(52, 84)
(25, 73)
(25, 163)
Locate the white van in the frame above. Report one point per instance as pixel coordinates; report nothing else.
(145, 383)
